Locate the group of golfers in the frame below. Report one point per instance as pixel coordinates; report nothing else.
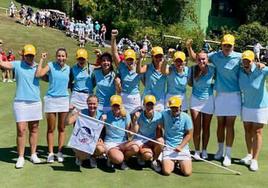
(224, 83)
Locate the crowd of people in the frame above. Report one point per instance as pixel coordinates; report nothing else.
(224, 83)
(7, 75)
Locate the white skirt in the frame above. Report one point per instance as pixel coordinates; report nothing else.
(170, 154)
(131, 102)
(27, 111)
(204, 106)
(56, 104)
(255, 115)
(79, 100)
(183, 97)
(228, 104)
(110, 145)
(140, 141)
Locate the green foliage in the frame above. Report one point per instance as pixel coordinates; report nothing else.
(248, 33)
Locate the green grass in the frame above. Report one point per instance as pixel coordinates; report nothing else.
(67, 174)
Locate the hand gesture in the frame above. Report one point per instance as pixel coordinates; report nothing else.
(189, 43)
(142, 53)
(178, 149)
(114, 33)
(43, 55)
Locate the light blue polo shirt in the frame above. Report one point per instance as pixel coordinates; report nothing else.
(253, 87)
(203, 87)
(227, 70)
(155, 83)
(114, 134)
(28, 88)
(175, 128)
(105, 86)
(82, 80)
(58, 80)
(129, 78)
(177, 82)
(148, 127)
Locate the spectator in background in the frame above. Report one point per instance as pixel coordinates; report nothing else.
(11, 73)
(97, 28)
(3, 58)
(257, 50)
(103, 32)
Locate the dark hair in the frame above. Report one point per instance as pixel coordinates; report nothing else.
(61, 49)
(108, 55)
(92, 96)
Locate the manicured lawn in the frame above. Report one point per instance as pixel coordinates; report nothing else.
(67, 174)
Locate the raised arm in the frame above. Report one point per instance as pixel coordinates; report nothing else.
(165, 68)
(141, 69)
(41, 71)
(190, 50)
(118, 85)
(114, 47)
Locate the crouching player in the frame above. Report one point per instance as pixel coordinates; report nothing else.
(92, 103)
(178, 131)
(148, 124)
(116, 138)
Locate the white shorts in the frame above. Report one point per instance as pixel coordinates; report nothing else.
(110, 145)
(131, 102)
(228, 104)
(183, 97)
(170, 154)
(79, 100)
(56, 104)
(204, 106)
(27, 111)
(160, 105)
(255, 115)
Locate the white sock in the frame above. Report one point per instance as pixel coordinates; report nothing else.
(228, 151)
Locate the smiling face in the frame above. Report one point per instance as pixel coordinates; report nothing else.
(157, 59)
(179, 64)
(61, 56)
(92, 103)
(130, 63)
(227, 49)
(29, 58)
(116, 110)
(247, 64)
(175, 111)
(202, 60)
(81, 61)
(106, 63)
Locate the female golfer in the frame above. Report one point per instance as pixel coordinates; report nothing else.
(178, 132)
(104, 80)
(201, 78)
(27, 100)
(154, 80)
(252, 82)
(227, 64)
(56, 99)
(80, 80)
(129, 78)
(91, 110)
(177, 76)
(148, 124)
(115, 140)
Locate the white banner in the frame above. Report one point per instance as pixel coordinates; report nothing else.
(85, 134)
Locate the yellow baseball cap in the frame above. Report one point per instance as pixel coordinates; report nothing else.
(29, 49)
(130, 54)
(249, 55)
(174, 101)
(81, 53)
(179, 55)
(157, 50)
(149, 98)
(116, 99)
(228, 39)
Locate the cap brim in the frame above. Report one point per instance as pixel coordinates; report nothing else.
(228, 43)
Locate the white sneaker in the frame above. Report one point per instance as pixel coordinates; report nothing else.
(254, 165)
(124, 166)
(204, 154)
(109, 163)
(9, 81)
(50, 158)
(78, 162)
(227, 161)
(196, 156)
(34, 159)
(156, 166)
(93, 162)
(246, 160)
(4, 80)
(218, 155)
(140, 161)
(60, 157)
(20, 162)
